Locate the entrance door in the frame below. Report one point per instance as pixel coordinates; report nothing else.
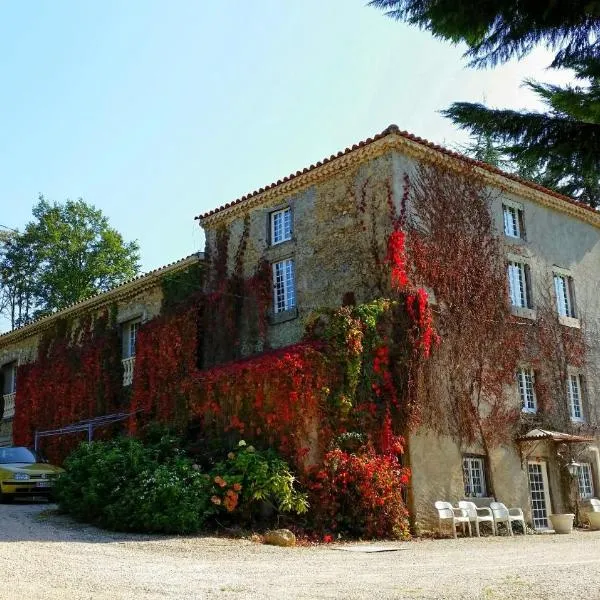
(538, 492)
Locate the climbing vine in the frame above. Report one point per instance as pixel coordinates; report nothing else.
(76, 376)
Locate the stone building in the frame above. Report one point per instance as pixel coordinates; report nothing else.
(308, 227)
(134, 302)
(321, 233)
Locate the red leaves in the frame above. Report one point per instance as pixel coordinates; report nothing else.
(396, 259)
(67, 383)
(360, 494)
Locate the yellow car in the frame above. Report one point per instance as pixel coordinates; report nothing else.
(23, 473)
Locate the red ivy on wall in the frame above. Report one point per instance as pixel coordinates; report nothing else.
(70, 381)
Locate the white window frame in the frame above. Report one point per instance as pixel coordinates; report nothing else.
(518, 284)
(281, 226)
(575, 397)
(284, 285)
(130, 329)
(10, 370)
(585, 481)
(563, 289)
(474, 476)
(526, 385)
(513, 220)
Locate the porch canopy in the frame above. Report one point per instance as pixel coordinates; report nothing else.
(537, 435)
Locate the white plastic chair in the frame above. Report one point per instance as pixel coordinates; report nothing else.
(478, 515)
(455, 515)
(508, 516)
(589, 505)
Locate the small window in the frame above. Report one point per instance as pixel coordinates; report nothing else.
(284, 286)
(519, 284)
(563, 286)
(474, 477)
(130, 330)
(527, 390)
(513, 221)
(281, 226)
(9, 376)
(574, 392)
(585, 481)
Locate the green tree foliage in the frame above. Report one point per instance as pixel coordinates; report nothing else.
(66, 253)
(498, 30)
(559, 148)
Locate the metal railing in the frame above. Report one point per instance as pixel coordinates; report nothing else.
(128, 364)
(9, 406)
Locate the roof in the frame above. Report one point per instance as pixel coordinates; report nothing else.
(393, 138)
(555, 436)
(133, 285)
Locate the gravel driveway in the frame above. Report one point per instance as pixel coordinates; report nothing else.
(50, 557)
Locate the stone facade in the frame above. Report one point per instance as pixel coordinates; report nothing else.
(139, 299)
(334, 256)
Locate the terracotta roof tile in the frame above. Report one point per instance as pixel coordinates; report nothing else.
(140, 277)
(394, 130)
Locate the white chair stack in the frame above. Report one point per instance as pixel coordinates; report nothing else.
(446, 512)
(478, 515)
(508, 516)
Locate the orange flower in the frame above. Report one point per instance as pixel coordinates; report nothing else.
(237, 487)
(216, 500)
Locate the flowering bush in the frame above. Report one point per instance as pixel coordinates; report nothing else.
(249, 477)
(359, 495)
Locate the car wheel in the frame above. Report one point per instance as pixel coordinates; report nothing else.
(6, 498)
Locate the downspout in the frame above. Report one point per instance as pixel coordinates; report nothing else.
(594, 450)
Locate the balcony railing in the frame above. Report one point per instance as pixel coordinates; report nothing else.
(128, 364)
(9, 406)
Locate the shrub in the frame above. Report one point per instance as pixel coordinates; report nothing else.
(249, 477)
(359, 495)
(127, 486)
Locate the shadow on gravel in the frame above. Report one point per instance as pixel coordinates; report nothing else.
(29, 521)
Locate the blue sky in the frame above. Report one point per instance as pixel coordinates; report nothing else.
(158, 111)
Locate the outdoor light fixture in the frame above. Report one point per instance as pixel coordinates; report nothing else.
(573, 468)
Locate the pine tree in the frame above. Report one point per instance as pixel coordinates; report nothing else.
(560, 148)
(498, 30)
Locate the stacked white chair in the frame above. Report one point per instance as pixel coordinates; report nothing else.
(446, 512)
(508, 516)
(478, 515)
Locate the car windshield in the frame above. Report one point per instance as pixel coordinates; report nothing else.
(16, 455)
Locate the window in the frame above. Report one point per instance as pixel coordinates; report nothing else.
(9, 376)
(130, 330)
(284, 286)
(281, 226)
(519, 284)
(526, 390)
(513, 221)
(585, 482)
(474, 477)
(574, 388)
(563, 286)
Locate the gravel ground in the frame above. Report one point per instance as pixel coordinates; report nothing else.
(46, 556)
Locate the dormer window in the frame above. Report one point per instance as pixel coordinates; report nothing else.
(281, 226)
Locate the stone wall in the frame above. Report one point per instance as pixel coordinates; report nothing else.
(144, 304)
(335, 255)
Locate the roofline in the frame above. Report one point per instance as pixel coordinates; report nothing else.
(119, 292)
(392, 138)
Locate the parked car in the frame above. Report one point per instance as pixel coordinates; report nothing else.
(24, 473)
